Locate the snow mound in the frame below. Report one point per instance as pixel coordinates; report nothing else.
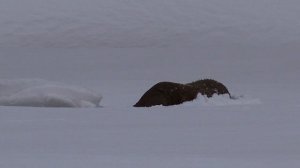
(41, 93)
(222, 100)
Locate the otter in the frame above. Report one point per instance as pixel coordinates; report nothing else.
(170, 93)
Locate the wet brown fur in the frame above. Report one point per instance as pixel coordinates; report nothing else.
(170, 93)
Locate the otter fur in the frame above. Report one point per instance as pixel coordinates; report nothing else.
(170, 93)
(209, 87)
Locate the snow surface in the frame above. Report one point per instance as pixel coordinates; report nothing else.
(260, 129)
(222, 100)
(158, 23)
(122, 48)
(40, 93)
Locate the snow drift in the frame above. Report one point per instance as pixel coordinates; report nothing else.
(222, 100)
(40, 93)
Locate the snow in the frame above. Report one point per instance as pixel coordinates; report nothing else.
(222, 100)
(122, 48)
(230, 136)
(40, 93)
(258, 129)
(156, 23)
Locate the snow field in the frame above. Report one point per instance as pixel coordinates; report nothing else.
(177, 136)
(258, 130)
(135, 23)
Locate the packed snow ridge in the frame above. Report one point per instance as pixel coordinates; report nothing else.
(41, 93)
